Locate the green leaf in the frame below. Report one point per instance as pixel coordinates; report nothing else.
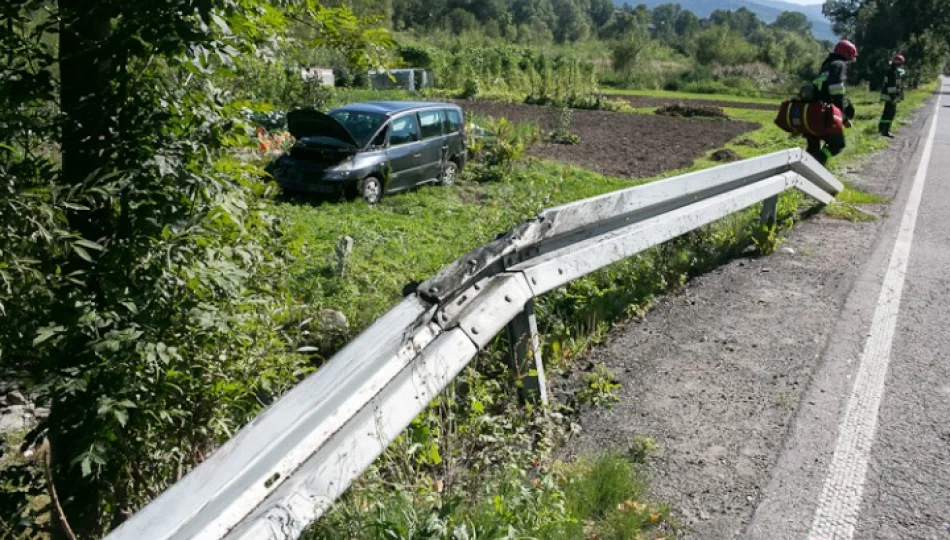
(121, 415)
(86, 466)
(82, 253)
(433, 454)
(45, 334)
(218, 20)
(90, 244)
(105, 406)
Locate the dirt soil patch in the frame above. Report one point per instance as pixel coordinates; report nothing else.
(643, 101)
(725, 155)
(749, 142)
(689, 111)
(621, 144)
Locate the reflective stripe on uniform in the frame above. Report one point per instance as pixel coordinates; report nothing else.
(885, 121)
(805, 118)
(827, 152)
(836, 89)
(892, 90)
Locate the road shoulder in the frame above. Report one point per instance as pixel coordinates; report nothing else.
(726, 375)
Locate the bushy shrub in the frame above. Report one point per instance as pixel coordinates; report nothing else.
(470, 90)
(721, 45)
(279, 83)
(505, 69)
(496, 146)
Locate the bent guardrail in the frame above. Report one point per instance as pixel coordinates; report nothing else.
(284, 469)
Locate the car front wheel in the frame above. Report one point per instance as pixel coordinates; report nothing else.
(371, 189)
(449, 173)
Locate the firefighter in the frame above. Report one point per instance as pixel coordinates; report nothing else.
(829, 88)
(892, 93)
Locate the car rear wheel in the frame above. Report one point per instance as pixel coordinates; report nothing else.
(449, 172)
(371, 189)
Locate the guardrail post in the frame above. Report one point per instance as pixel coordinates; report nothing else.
(769, 214)
(524, 356)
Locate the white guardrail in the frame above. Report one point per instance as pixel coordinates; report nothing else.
(283, 470)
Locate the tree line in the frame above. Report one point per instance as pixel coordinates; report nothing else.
(664, 47)
(919, 29)
(880, 28)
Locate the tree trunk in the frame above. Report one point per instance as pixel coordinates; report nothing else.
(85, 61)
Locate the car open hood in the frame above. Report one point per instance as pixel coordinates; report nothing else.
(312, 123)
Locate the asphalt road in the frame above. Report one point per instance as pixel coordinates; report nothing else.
(806, 395)
(887, 474)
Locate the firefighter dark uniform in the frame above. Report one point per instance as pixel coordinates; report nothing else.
(830, 88)
(892, 93)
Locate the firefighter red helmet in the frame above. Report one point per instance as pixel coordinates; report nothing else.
(846, 49)
(898, 59)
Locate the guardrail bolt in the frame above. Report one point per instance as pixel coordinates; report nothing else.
(507, 298)
(475, 330)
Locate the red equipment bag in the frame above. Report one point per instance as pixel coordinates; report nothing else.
(813, 118)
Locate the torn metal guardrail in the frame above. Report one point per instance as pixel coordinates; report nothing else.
(283, 470)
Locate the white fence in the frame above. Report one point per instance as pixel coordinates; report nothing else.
(283, 470)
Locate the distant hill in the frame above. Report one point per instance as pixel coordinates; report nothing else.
(767, 10)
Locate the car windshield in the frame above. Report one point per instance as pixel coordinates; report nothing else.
(361, 125)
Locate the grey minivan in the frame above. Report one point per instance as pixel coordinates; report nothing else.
(371, 149)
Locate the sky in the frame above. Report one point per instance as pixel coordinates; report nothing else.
(806, 2)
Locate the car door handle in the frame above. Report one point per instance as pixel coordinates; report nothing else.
(417, 155)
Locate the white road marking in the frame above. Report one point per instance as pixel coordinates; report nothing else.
(840, 502)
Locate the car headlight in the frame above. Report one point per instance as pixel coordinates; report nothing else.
(339, 171)
(346, 166)
(331, 174)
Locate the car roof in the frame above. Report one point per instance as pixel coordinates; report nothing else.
(390, 108)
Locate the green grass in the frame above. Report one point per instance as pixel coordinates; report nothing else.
(853, 195)
(847, 205)
(602, 497)
(847, 212)
(666, 94)
(413, 235)
(606, 496)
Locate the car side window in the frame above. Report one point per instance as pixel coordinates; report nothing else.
(431, 123)
(453, 121)
(380, 139)
(404, 130)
